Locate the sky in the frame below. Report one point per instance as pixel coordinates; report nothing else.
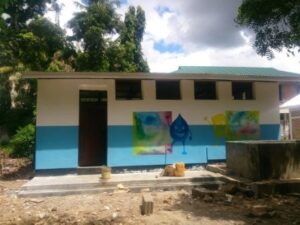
(194, 33)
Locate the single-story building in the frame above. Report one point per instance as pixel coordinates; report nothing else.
(147, 119)
(291, 109)
(287, 91)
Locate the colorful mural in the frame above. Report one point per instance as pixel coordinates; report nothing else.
(219, 121)
(236, 125)
(155, 133)
(242, 125)
(180, 132)
(151, 133)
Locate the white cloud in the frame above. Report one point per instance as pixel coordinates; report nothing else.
(5, 16)
(231, 47)
(241, 56)
(203, 28)
(68, 9)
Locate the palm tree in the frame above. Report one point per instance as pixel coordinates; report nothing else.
(57, 7)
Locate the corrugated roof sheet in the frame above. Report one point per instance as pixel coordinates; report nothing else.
(238, 71)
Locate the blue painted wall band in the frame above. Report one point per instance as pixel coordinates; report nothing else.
(57, 147)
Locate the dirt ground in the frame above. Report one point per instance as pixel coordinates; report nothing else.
(123, 208)
(170, 207)
(15, 168)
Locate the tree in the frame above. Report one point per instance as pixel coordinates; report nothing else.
(15, 16)
(276, 24)
(132, 35)
(92, 28)
(57, 8)
(44, 41)
(59, 64)
(5, 100)
(27, 42)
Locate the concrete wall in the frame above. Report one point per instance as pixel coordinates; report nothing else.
(58, 121)
(295, 122)
(288, 91)
(261, 160)
(58, 102)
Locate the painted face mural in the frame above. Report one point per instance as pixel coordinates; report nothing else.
(151, 133)
(180, 132)
(242, 125)
(237, 125)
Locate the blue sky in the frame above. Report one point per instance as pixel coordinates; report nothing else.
(163, 47)
(161, 10)
(194, 33)
(122, 2)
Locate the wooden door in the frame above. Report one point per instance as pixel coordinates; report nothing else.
(93, 128)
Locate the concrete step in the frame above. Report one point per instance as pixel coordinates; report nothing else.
(89, 170)
(271, 187)
(73, 183)
(218, 168)
(61, 191)
(111, 183)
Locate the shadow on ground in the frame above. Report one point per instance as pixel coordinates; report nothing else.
(12, 169)
(241, 210)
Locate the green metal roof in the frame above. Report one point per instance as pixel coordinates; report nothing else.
(238, 71)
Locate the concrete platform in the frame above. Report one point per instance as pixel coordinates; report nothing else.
(272, 187)
(77, 184)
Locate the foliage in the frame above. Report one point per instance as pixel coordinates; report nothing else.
(5, 99)
(4, 141)
(28, 39)
(121, 56)
(15, 16)
(57, 8)
(22, 143)
(58, 64)
(132, 36)
(30, 42)
(20, 12)
(27, 42)
(276, 24)
(92, 27)
(34, 53)
(96, 26)
(36, 46)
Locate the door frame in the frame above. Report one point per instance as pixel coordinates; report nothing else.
(92, 88)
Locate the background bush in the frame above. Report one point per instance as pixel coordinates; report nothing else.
(23, 142)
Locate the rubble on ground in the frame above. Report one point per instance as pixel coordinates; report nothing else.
(232, 204)
(11, 168)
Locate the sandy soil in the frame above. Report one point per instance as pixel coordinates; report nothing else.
(122, 208)
(15, 168)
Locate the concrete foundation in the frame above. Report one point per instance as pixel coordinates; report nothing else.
(283, 187)
(261, 160)
(42, 186)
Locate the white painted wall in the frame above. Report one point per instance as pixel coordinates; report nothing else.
(58, 102)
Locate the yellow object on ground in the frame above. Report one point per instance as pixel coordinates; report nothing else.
(180, 169)
(105, 172)
(169, 171)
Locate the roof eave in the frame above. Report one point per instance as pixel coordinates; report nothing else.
(153, 76)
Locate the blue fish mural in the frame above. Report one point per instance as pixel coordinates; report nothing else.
(180, 132)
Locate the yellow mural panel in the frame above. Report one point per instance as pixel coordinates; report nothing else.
(218, 119)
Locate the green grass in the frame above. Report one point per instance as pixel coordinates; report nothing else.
(6, 148)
